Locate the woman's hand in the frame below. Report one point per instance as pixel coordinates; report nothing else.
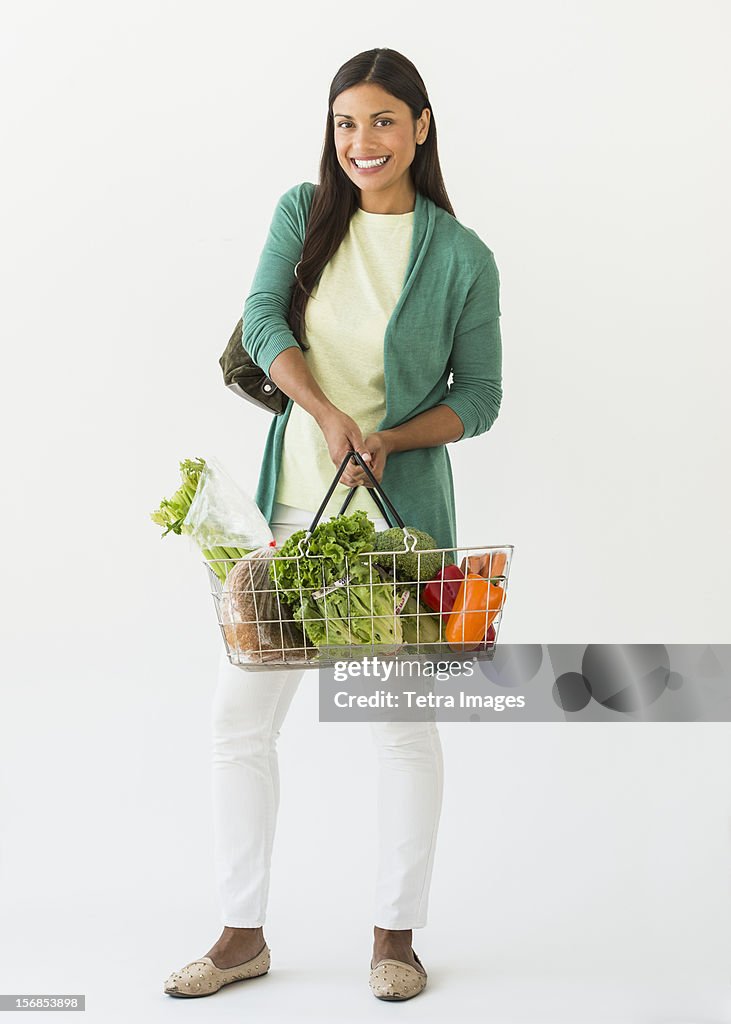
(342, 434)
(377, 447)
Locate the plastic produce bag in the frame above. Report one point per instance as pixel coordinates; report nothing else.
(222, 515)
(257, 623)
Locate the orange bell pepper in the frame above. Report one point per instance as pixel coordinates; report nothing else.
(477, 603)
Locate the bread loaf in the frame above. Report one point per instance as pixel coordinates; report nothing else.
(257, 622)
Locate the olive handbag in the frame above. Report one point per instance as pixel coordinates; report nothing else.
(245, 378)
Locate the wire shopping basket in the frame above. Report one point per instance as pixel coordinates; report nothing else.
(415, 603)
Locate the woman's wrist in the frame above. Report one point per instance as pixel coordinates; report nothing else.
(324, 411)
(290, 372)
(387, 439)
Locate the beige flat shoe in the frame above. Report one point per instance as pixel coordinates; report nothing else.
(203, 978)
(393, 979)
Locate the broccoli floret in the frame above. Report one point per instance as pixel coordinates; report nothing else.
(407, 562)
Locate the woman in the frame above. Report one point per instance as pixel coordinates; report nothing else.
(388, 293)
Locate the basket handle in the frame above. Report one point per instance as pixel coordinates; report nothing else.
(376, 490)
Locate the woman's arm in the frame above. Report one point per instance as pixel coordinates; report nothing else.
(267, 336)
(476, 359)
(439, 425)
(472, 403)
(266, 331)
(290, 372)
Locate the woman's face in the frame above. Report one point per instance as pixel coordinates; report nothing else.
(368, 123)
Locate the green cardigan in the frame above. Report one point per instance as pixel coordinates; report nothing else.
(446, 319)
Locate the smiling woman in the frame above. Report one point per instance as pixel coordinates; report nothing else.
(370, 272)
(389, 295)
(377, 151)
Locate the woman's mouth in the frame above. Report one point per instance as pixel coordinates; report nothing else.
(369, 166)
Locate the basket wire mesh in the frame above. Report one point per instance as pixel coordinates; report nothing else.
(255, 640)
(276, 640)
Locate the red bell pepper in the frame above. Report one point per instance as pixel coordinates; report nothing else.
(489, 639)
(440, 593)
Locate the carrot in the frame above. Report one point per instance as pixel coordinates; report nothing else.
(488, 564)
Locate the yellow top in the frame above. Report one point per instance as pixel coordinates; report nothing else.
(346, 320)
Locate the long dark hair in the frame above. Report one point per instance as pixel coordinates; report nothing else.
(336, 197)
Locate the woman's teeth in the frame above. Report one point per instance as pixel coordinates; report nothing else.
(366, 164)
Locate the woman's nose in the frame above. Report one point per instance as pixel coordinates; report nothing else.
(363, 143)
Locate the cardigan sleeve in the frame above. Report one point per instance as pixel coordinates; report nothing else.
(476, 359)
(266, 331)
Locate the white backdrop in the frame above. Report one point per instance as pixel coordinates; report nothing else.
(145, 146)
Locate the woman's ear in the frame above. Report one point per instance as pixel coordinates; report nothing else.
(422, 128)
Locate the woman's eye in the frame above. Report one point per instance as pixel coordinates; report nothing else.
(380, 120)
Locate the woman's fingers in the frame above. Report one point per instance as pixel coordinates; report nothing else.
(358, 477)
(353, 475)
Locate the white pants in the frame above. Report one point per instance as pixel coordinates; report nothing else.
(248, 711)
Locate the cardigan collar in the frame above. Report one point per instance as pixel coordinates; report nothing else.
(424, 219)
